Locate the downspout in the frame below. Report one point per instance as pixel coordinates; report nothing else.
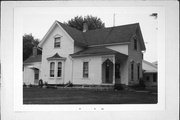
(64, 71)
(72, 71)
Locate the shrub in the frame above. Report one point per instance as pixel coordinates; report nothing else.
(40, 83)
(46, 84)
(30, 85)
(24, 85)
(118, 87)
(69, 84)
(141, 83)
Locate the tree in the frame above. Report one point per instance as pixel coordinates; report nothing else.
(92, 22)
(28, 43)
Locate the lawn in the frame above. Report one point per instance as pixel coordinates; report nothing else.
(85, 96)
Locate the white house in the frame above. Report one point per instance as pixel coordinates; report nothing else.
(105, 56)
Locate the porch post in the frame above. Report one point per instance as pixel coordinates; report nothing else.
(114, 70)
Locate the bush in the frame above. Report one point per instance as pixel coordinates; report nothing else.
(46, 84)
(141, 83)
(40, 83)
(140, 86)
(69, 84)
(118, 87)
(24, 85)
(30, 85)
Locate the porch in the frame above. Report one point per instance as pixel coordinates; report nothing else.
(114, 69)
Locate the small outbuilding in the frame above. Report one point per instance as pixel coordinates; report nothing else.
(150, 73)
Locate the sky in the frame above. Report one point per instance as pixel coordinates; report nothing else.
(38, 21)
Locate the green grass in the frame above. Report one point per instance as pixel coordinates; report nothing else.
(85, 96)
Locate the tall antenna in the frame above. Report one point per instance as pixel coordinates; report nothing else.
(113, 19)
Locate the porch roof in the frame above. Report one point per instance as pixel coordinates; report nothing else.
(93, 51)
(31, 59)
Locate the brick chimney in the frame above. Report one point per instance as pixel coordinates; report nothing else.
(85, 27)
(34, 51)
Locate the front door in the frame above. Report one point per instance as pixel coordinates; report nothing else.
(108, 71)
(36, 76)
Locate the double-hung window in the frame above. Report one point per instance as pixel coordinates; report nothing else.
(85, 69)
(138, 69)
(135, 44)
(59, 69)
(57, 42)
(132, 70)
(52, 66)
(57, 65)
(154, 77)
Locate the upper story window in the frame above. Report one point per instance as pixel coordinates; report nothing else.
(52, 66)
(57, 42)
(85, 69)
(135, 44)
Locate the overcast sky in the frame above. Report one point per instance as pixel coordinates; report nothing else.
(38, 20)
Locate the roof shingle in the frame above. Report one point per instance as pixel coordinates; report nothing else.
(94, 51)
(31, 59)
(117, 34)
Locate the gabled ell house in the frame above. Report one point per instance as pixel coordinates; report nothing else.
(104, 56)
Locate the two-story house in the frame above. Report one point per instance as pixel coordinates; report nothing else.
(104, 56)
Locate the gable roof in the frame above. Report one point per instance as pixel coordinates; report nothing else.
(74, 33)
(118, 34)
(149, 67)
(111, 35)
(32, 59)
(155, 63)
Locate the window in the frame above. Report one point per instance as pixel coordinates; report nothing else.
(132, 70)
(154, 77)
(57, 42)
(59, 69)
(138, 67)
(36, 74)
(147, 78)
(135, 44)
(117, 71)
(85, 69)
(52, 65)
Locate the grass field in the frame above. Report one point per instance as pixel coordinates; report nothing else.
(85, 96)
